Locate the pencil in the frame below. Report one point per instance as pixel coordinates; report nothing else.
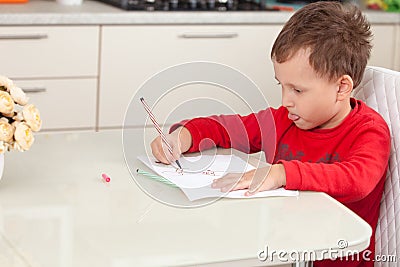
(158, 128)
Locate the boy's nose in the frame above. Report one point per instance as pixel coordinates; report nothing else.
(286, 100)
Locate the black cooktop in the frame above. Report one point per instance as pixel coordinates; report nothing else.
(190, 5)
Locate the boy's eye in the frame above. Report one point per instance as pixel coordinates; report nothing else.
(297, 90)
(278, 83)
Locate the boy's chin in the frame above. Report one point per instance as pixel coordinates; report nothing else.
(304, 126)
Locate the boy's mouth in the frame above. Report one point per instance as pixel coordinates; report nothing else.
(293, 117)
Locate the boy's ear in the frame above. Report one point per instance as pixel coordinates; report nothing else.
(345, 87)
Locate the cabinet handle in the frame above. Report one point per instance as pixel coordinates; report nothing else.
(27, 36)
(208, 35)
(30, 90)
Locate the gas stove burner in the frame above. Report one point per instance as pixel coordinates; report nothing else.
(190, 5)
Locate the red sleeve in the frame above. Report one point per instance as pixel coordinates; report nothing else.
(354, 177)
(231, 131)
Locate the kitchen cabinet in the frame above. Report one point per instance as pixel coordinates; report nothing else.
(132, 54)
(63, 103)
(58, 67)
(397, 49)
(384, 42)
(83, 77)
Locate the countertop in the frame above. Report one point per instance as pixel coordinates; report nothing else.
(56, 211)
(42, 12)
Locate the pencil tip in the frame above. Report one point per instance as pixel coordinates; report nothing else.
(179, 165)
(141, 99)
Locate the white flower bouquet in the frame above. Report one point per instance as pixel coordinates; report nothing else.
(18, 119)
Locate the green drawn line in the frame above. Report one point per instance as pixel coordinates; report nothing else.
(156, 178)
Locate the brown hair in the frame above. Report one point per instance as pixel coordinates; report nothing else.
(337, 35)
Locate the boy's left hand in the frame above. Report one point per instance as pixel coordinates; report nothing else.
(261, 179)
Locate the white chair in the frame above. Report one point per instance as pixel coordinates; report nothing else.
(380, 89)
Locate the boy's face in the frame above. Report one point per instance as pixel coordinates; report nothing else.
(310, 99)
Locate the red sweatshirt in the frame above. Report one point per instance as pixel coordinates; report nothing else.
(347, 162)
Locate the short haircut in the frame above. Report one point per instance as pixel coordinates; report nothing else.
(338, 37)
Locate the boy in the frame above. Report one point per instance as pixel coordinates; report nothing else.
(325, 140)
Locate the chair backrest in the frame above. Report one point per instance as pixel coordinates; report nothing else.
(380, 89)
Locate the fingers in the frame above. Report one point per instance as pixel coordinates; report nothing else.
(173, 140)
(161, 151)
(158, 151)
(260, 179)
(225, 183)
(232, 181)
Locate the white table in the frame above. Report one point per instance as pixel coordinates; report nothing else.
(55, 211)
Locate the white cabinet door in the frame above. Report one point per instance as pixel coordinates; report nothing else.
(397, 49)
(64, 104)
(132, 54)
(59, 66)
(383, 51)
(49, 51)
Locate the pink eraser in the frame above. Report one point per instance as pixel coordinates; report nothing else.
(105, 177)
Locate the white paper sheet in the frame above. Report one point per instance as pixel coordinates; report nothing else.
(199, 173)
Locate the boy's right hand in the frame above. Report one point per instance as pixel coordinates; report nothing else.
(180, 141)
